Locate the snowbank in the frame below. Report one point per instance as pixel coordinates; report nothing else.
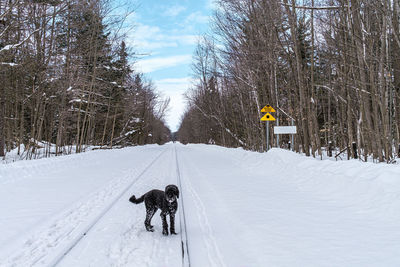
(242, 209)
(284, 209)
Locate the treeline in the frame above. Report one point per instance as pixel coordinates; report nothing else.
(332, 66)
(66, 82)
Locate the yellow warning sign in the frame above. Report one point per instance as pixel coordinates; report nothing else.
(267, 117)
(267, 108)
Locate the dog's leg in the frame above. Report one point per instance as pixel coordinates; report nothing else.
(172, 223)
(149, 215)
(164, 223)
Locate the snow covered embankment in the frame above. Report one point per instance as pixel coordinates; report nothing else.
(283, 209)
(242, 209)
(45, 203)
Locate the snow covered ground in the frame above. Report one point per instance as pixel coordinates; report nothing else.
(241, 209)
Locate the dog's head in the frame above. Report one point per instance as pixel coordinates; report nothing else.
(171, 193)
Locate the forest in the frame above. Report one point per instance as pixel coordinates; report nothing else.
(67, 82)
(331, 67)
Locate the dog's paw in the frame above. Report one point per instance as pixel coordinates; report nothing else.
(165, 232)
(173, 233)
(150, 228)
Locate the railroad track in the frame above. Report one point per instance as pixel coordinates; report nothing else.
(67, 249)
(182, 218)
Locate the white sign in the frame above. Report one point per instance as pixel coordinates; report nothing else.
(285, 130)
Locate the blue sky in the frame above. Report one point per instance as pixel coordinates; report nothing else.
(168, 31)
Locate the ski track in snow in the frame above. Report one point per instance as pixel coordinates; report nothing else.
(213, 251)
(120, 239)
(214, 256)
(60, 231)
(51, 237)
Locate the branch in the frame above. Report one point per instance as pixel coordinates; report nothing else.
(9, 47)
(315, 7)
(2, 16)
(221, 125)
(337, 96)
(286, 114)
(9, 64)
(1, 34)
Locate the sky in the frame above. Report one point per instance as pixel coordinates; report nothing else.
(166, 34)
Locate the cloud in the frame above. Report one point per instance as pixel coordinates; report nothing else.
(174, 88)
(187, 39)
(174, 11)
(197, 17)
(174, 84)
(158, 63)
(148, 38)
(143, 30)
(149, 46)
(212, 5)
(177, 108)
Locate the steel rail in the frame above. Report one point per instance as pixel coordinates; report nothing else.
(182, 219)
(83, 233)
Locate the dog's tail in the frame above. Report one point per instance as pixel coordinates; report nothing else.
(136, 201)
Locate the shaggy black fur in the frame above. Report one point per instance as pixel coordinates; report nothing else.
(165, 201)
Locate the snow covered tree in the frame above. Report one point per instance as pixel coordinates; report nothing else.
(65, 77)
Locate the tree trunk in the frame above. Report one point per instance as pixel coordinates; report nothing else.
(2, 121)
(304, 100)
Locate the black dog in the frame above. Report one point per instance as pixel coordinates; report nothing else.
(165, 201)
